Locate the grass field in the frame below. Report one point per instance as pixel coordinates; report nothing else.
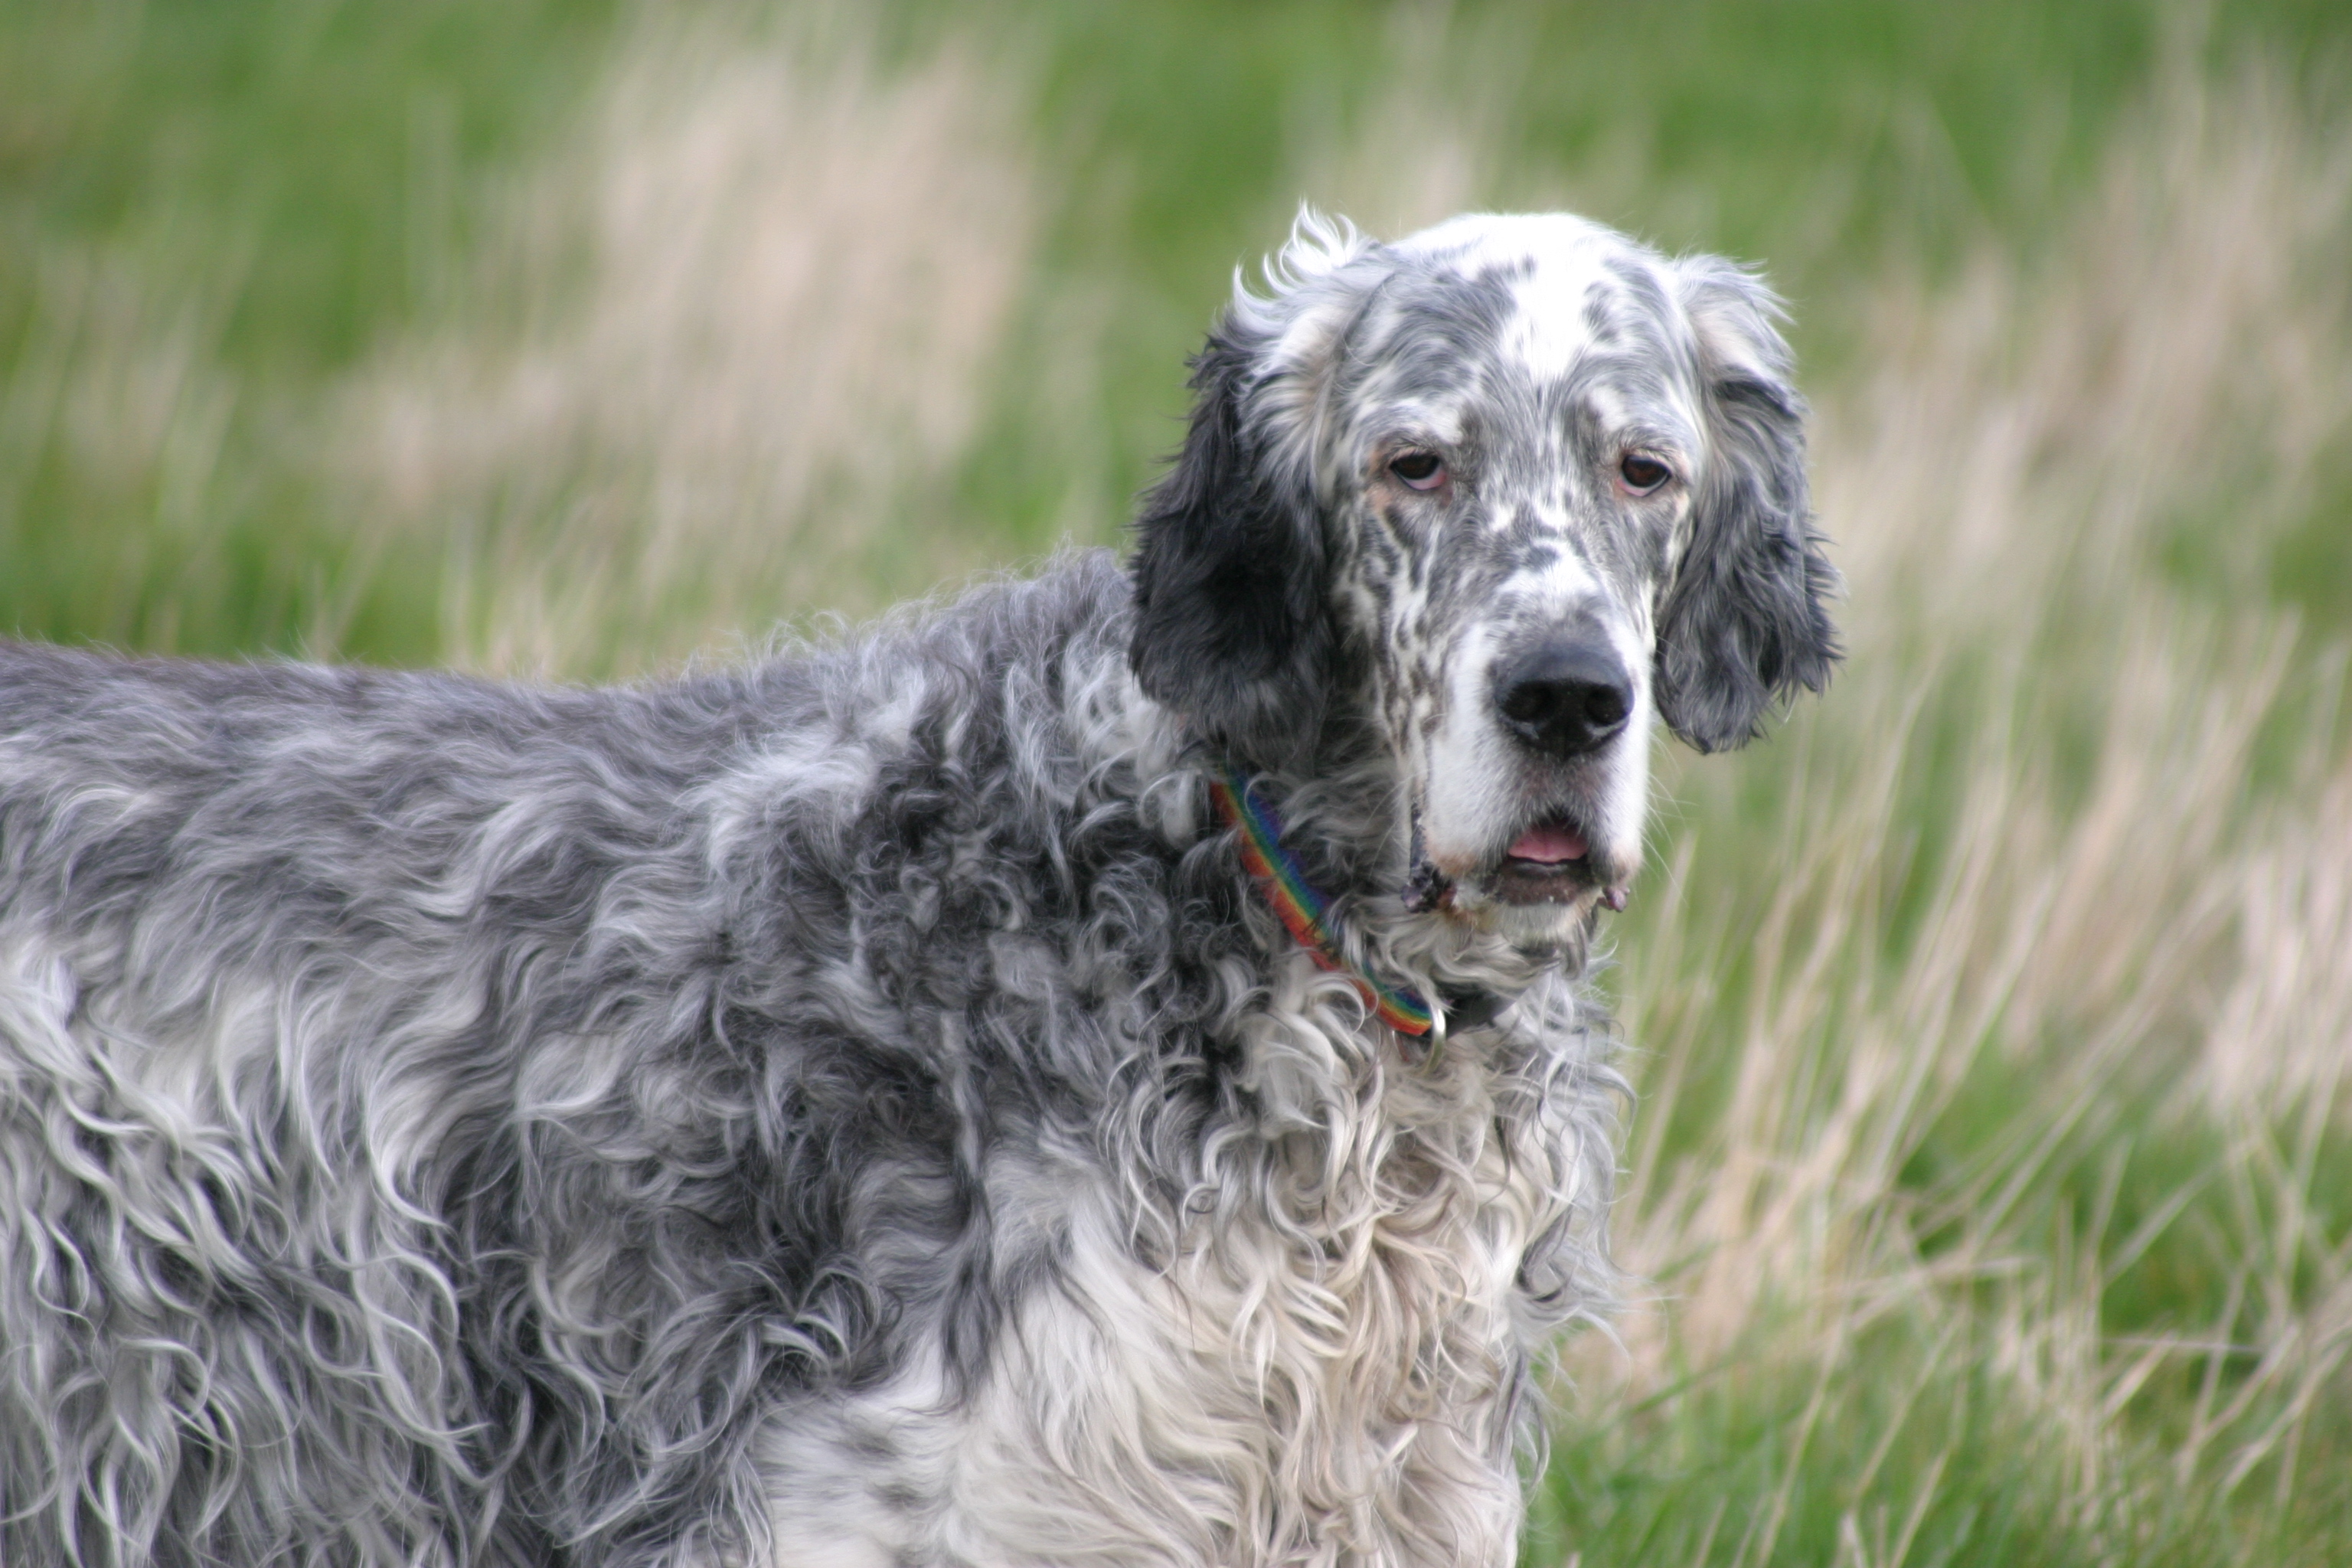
(1989, 1190)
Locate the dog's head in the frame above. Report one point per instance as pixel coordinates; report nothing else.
(1502, 492)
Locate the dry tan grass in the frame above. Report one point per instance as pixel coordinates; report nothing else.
(1419, 149)
(2022, 437)
(1429, 136)
(2114, 905)
(762, 299)
(117, 380)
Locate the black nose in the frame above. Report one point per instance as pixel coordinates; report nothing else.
(1564, 697)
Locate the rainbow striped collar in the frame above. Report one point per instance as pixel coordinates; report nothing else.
(1310, 920)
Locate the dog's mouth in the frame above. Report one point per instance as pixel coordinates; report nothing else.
(1550, 863)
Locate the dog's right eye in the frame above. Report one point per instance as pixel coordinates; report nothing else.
(1422, 470)
(1641, 475)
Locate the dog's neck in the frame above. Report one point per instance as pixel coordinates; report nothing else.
(1345, 806)
(1309, 915)
(1347, 836)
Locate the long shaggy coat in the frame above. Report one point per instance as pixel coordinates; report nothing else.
(855, 1108)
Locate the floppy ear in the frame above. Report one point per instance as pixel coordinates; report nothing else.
(1231, 623)
(1746, 620)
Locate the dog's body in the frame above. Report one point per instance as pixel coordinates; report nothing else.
(857, 1109)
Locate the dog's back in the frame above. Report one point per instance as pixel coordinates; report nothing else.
(441, 1120)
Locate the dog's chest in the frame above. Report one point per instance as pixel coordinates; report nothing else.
(1324, 1374)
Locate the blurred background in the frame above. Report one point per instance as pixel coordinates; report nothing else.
(1989, 1189)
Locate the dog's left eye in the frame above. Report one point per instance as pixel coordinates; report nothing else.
(1641, 475)
(1421, 470)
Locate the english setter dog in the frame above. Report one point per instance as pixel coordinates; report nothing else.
(1088, 1074)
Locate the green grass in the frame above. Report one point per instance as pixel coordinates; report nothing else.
(284, 187)
(234, 202)
(1989, 1183)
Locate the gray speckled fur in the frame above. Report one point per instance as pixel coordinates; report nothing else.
(548, 1166)
(850, 1109)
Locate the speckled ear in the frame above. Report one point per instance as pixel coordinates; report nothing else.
(1746, 620)
(1232, 627)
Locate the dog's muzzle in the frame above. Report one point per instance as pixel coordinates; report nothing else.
(1562, 700)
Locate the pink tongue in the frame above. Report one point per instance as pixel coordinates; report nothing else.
(1549, 844)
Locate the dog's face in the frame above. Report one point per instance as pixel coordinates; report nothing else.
(1508, 490)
